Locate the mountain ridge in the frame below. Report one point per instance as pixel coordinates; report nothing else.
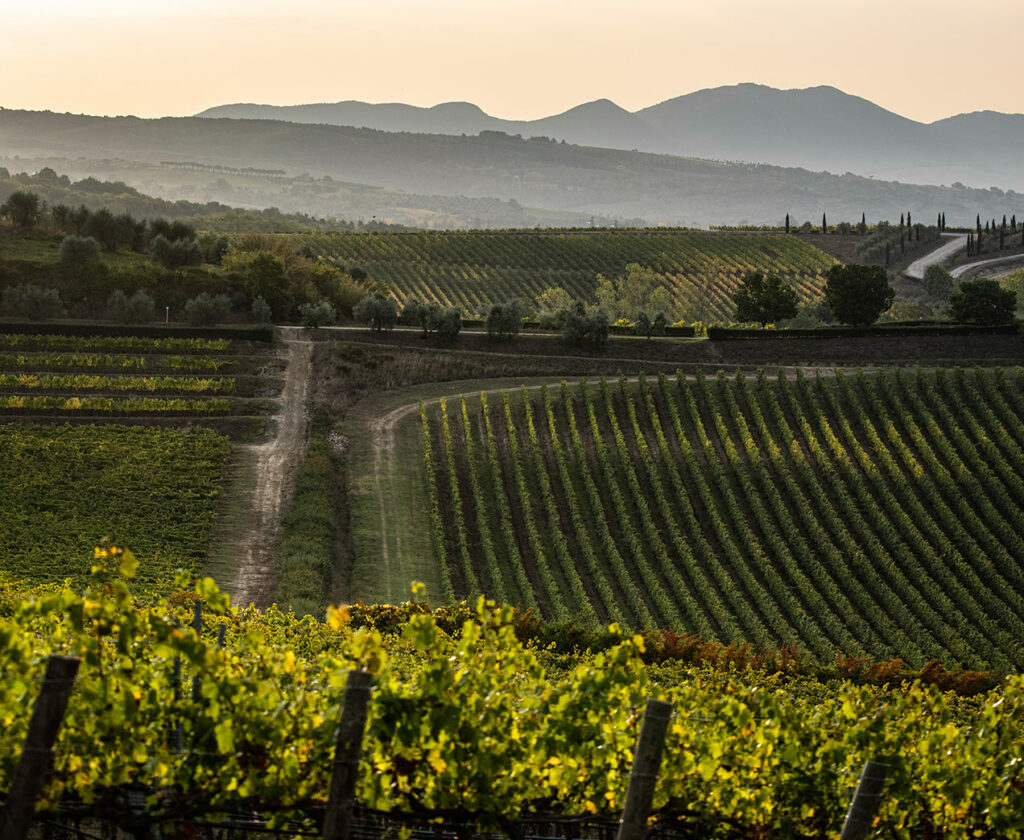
(820, 128)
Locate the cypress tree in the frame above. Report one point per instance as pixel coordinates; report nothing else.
(1004, 220)
(943, 226)
(1013, 222)
(787, 223)
(863, 222)
(824, 224)
(909, 223)
(901, 220)
(938, 221)
(970, 243)
(978, 221)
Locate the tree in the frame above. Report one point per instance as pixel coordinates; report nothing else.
(315, 315)
(137, 309)
(583, 327)
(863, 226)
(448, 324)
(265, 278)
(504, 320)
(858, 294)
(824, 224)
(175, 253)
(379, 310)
(764, 299)
(206, 310)
(787, 223)
(982, 302)
(31, 301)
(23, 208)
(78, 251)
(938, 282)
(639, 288)
(553, 298)
(261, 311)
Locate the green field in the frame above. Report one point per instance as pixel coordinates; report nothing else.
(472, 270)
(63, 489)
(865, 514)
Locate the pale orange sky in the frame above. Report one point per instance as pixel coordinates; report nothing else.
(519, 59)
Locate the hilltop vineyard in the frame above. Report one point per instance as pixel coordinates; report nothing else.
(866, 514)
(472, 270)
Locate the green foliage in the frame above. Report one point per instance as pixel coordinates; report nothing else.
(265, 278)
(206, 310)
(317, 315)
(982, 302)
(31, 301)
(175, 253)
(639, 288)
(448, 323)
(552, 299)
(309, 531)
(764, 299)
(673, 498)
(23, 208)
(378, 310)
(582, 327)
(477, 723)
(78, 251)
(697, 270)
(137, 309)
(261, 310)
(858, 294)
(938, 282)
(154, 488)
(504, 320)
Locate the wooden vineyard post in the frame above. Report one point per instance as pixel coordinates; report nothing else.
(866, 799)
(644, 775)
(197, 625)
(37, 753)
(340, 803)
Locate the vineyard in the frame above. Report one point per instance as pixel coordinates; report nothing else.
(874, 514)
(472, 270)
(123, 471)
(238, 713)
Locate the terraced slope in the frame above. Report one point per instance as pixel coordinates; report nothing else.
(866, 514)
(475, 269)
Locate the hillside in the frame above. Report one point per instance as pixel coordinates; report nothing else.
(815, 128)
(538, 173)
(475, 269)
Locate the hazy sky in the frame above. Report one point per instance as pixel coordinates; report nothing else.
(517, 59)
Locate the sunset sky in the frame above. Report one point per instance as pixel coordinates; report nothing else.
(518, 59)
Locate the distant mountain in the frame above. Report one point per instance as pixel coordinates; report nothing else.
(536, 173)
(818, 128)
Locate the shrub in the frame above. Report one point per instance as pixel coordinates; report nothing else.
(858, 294)
(31, 301)
(380, 311)
(938, 282)
(137, 309)
(581, 327)
(504, 320)
(175, 253)
(261, 311)
(448, 323)
(206, 310)
(76, 251)
(317, 314)
(982, 302)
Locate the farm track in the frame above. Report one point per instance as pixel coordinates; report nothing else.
(275, 465)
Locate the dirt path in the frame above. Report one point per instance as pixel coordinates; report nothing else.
(954, 242)
(275, 466)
